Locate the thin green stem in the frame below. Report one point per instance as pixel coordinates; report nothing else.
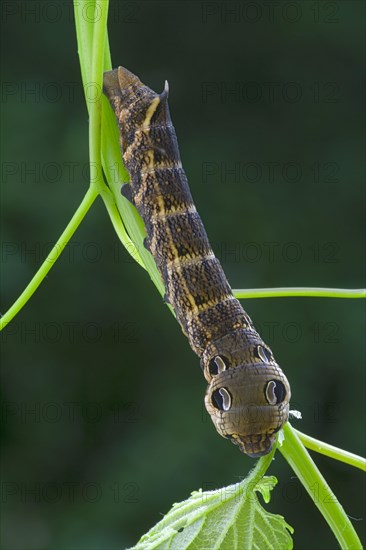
(299, 291)
(94, 38)
(331, 451)
(262, 466)
(95, 104)
(119, 227)
(318, 489)
(92, 59)
(86, 21)
(54, 254)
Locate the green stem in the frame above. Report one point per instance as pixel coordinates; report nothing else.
(261, 467)
(299, 291)
(119, 228)
(95, 104)
(54, 254)
(94, 38)
(331, 451)
(92, 59)
(318, 489)
(87, 24)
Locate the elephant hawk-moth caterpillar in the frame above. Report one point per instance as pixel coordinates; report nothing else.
(248, 394)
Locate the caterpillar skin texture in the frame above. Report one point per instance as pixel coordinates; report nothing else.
(248, 394)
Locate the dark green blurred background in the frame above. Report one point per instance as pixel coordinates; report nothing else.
(103, 424)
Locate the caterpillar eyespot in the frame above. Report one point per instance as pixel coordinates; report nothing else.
(218, 364)
(221, 399)
(263, 354)
(275, 392)
(248, 401)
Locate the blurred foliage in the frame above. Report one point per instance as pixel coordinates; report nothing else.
(102, 415)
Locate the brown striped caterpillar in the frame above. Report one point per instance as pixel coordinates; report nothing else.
(248, 394)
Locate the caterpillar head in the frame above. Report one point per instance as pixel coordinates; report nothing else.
(248, 395)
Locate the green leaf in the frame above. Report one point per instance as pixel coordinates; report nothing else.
(227, 519)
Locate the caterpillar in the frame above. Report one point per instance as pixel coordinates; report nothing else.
(247, 395)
